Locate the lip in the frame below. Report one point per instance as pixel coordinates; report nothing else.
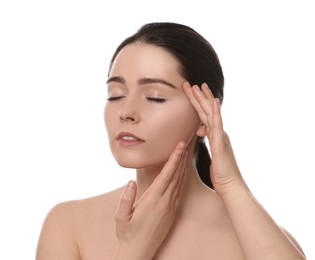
(123, 142)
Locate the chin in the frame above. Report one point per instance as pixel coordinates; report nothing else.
(138, 163)
(126, 165)
(131, 163)
(140, 158)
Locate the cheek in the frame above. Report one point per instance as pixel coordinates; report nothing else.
(110, 118)
(111, 125)
(177, 123)
(106, 115)
(162, 127)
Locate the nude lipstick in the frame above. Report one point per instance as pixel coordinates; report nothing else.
(128, 139)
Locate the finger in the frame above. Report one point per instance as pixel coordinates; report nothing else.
(161, 183)
(195, 103)
(188, 91)
(217, 129)
(171, 191)
(217, 119)
(125, 207)
(204, 102)
(181, 188)
(180, 185)
(207, 91)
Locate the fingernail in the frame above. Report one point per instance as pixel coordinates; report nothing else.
(130, 185)
(204, 86)
(196, 87)
(182, 145)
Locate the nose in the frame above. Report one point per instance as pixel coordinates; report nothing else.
(129, 112)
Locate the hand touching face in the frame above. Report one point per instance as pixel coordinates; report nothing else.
(147, 112)
(224, 172)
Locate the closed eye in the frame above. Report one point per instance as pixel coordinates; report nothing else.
(114, 98)
(157, 100)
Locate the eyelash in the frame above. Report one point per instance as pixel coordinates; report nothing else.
(150, 99)
(113, 98)
(157, 100)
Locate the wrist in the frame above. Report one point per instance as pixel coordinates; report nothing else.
(131, 253)
(235, 191)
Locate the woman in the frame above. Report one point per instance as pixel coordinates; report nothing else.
(165, 87)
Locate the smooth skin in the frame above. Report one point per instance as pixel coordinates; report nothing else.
(133, 222)
(167, 212)
(259, 236)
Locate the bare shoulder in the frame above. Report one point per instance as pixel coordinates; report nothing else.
(293, 240)
(66, 224)
(106, 202)
(69, 213)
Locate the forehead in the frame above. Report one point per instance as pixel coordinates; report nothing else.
(141, 59)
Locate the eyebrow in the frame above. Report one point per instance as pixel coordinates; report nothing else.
(141, 81)
(116, 79)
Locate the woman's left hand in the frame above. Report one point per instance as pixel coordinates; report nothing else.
(224, 172)
(258, 234)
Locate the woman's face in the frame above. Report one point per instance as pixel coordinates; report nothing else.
(147, 113)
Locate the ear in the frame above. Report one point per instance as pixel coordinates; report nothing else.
(202, 130)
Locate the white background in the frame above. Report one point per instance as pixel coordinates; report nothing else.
(54, 57)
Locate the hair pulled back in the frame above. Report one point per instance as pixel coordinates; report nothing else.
(198, 61)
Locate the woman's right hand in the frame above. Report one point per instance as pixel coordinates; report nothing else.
(142, 227)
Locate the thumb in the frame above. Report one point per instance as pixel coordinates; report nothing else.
(127, 199)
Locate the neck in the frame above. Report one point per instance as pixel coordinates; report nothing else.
(194, 187)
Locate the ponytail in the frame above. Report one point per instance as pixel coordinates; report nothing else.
(203, 161)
